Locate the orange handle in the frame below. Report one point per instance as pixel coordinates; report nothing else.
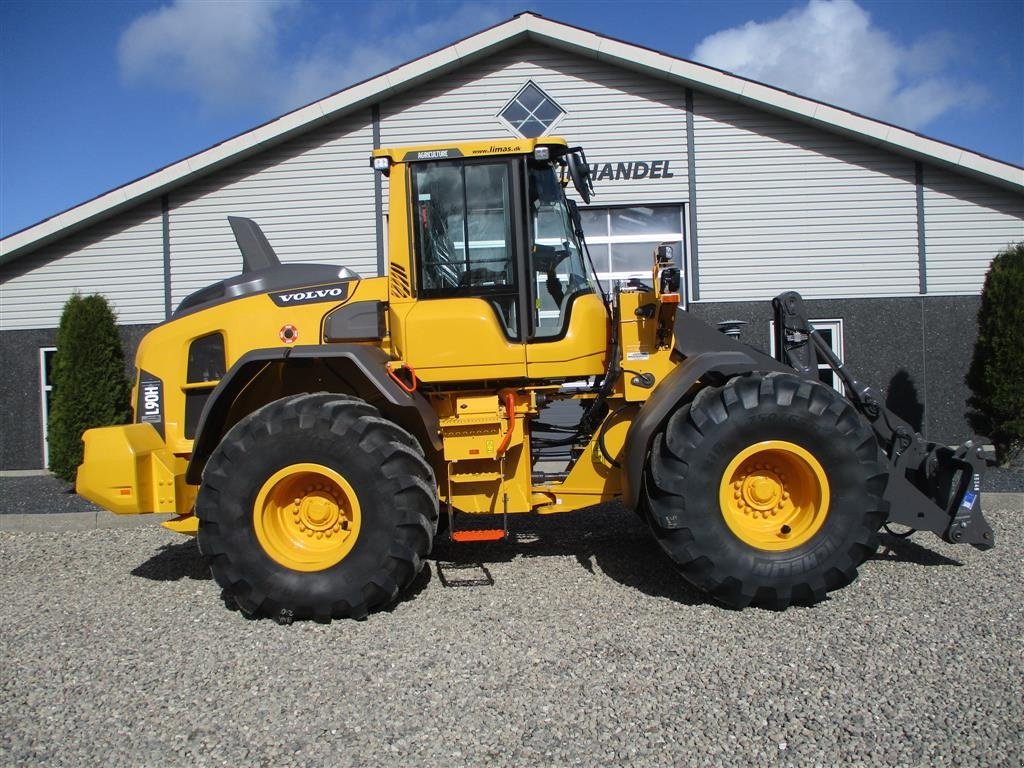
(409, 388)
(510, 411)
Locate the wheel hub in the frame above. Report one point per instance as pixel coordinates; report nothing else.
(774, 495)
(307, 517)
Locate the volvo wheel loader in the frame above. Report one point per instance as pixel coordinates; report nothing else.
(310, 424)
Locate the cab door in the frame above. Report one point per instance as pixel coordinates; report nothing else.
(568, 324)
(467, 321)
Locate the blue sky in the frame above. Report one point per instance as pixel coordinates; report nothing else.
(96, 94)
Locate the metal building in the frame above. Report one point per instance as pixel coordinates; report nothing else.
(887, 233)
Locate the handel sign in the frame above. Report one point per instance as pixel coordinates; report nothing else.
(632, 170)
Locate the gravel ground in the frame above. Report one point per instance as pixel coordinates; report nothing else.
(586, 650)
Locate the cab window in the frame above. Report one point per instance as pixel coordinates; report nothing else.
(557, 266)
(463, 235)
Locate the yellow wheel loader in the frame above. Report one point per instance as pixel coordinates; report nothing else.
(309, 424)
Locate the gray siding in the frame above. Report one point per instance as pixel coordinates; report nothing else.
(966, 224)
(783, 206)
(617, 115)
(122, 259)
(313, 197)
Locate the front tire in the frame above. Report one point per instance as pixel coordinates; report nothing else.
(766, 491)
(316, 507)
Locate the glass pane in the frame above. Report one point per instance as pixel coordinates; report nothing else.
(826, 376)
(531, 96)
(48, 357)
(558, 267)
(595, 221)
(531, 128)
(440, 223)
(515, 113)
(826, 334)
(489, 261)
(646, 220)
(636, 259)
(547, 112)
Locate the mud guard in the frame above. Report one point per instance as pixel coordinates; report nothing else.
(370, 362)
(705, 351)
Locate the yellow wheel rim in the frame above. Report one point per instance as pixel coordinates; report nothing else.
(774, 495)
(307, 517)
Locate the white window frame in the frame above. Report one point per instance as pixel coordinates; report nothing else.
(44, 409)
(515, 131)
(649, 237)
(835, 325)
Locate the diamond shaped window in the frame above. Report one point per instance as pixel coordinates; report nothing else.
(531, 112)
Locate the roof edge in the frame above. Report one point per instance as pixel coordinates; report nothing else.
(523, 25)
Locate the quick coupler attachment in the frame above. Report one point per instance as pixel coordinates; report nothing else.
(968, 525)
(943, 495)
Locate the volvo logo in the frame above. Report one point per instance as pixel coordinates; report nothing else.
(311, 295)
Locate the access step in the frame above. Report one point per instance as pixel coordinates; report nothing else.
(480, 534)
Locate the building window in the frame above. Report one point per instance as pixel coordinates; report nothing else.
(622, 240)
(531, 112)
(46, 356)
(832, 332)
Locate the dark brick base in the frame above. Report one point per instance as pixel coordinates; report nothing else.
(916, 349)
(21, 419)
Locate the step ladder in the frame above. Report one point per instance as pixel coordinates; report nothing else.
(479, 535)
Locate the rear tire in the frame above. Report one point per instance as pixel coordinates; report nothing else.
(766, 491)
(316, 507)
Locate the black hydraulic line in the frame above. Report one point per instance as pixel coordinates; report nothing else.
(605, 426)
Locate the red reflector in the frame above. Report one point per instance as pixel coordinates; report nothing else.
(126, 491)
(487, 534)
(474, 451)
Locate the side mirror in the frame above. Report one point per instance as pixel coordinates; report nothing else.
(579, 172)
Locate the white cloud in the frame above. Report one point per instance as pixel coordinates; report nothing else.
(830, 50)
(235, 53)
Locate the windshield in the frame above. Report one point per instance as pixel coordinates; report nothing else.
(556, 260)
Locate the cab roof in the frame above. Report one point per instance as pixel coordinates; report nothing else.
(482, 148)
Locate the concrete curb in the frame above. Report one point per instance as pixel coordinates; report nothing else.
(62, 522)
(101, 520)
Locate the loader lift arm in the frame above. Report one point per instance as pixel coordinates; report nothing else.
(931, 487)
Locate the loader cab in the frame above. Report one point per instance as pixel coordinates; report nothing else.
(493, 281)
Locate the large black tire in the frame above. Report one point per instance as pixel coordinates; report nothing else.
(383, 478)
(691, 472)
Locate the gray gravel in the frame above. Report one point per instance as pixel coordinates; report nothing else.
(586, 650)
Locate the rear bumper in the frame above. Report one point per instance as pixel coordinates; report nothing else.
(129, 471)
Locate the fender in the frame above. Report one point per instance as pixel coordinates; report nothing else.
(369, 361)
(703, 351)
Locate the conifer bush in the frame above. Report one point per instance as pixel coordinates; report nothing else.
(90, 388)
(996, 375)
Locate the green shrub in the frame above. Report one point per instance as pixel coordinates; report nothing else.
(996, 375)
(90, 388)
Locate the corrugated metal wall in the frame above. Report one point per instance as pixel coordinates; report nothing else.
(617, 115)
(779, 204)
(783, 206)
(122, 258)
(966, 223)
(312, 196)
